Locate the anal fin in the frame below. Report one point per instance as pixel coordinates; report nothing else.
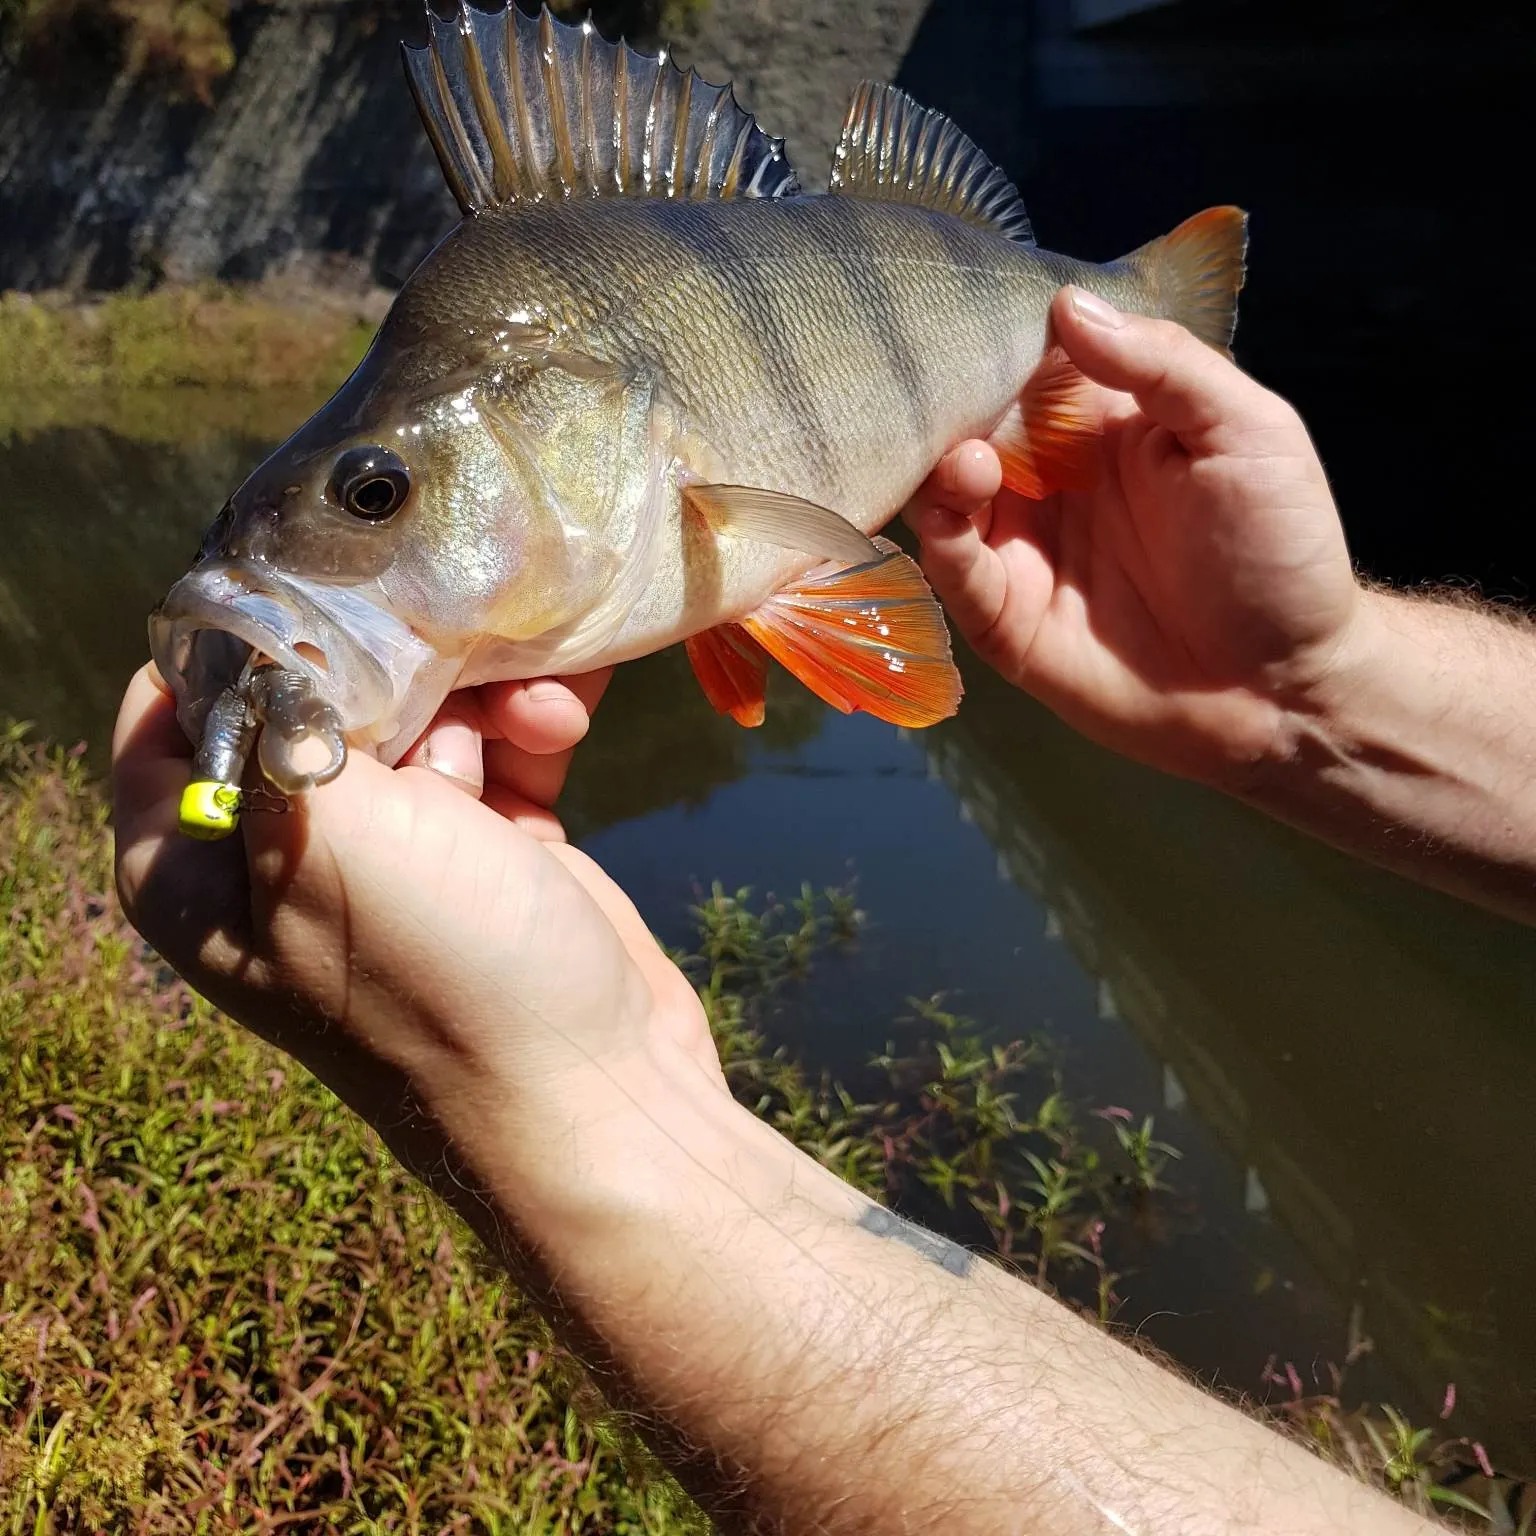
(1048, 440)
(732, 669)
(871, 637)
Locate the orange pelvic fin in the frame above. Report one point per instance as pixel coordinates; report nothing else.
(871, 637)
(732, 669)
(1049, 438)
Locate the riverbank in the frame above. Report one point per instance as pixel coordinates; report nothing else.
(222, 1303)
(255, 357)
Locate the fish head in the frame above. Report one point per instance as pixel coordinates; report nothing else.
(478, 479)
(366, 554)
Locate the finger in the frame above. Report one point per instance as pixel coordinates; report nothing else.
(966, 573)
(962, 484)
(532, 776)
(529, 816)
(1178, 381)
(146, 719)
(151, 762)
(542, 721)
(451, 744)
(185, 897)
(543, 714)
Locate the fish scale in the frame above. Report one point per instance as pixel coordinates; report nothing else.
(647, 392)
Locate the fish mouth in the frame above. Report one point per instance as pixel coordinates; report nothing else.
(357, 656)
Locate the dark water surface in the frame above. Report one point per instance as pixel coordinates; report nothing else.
(1342, 1057)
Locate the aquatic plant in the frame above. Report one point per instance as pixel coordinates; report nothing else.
(1147, 1156)
(1431, 1472)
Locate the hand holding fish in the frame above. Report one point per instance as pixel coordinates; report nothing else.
(1196, 609)
(395, 925)
(1196, 592)
(645, 393)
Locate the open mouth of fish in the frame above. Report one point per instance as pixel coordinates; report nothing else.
(346, 663)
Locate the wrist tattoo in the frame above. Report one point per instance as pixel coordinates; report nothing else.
(937, 1250)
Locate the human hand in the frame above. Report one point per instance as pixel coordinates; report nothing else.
(1177, 611)
(480, 991)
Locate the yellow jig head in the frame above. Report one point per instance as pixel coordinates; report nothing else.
(209, 810)
(283, 708)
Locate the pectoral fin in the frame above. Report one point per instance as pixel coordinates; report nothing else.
(870, 638)
(771, 517)
(732, 669)
(1048, 440)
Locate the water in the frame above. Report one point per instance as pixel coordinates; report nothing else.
(1341, 1056)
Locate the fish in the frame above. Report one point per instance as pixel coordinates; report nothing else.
(646, 392)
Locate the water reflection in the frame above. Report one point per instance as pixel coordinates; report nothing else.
(657, 742)
(1356, 1044)
(97, 526)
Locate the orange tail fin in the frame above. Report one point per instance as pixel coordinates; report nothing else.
(870, 637)
(1048, 440)
(1195, 273)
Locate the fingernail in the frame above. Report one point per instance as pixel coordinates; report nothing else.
(1095, 311)
(453, 750)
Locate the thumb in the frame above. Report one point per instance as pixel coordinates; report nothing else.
(1179, 382)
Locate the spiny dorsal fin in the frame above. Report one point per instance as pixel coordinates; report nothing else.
(893, 150)
(522, 109)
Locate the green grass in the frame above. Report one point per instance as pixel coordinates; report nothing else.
(221, 1300)
(223, 1306)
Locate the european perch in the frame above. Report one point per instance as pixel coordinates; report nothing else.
(646, 391)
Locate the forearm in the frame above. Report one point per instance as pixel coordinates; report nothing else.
(1419, 750)
(807, 1373)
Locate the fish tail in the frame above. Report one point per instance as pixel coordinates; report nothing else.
(1049, 438)
(1193, 274)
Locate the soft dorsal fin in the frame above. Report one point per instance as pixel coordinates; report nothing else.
(523, 109)
(893, 150)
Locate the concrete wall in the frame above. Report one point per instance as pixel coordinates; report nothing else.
(312, 157)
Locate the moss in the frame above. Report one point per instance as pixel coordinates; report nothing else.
(184, 45)
(222, 1300)
(176, 364)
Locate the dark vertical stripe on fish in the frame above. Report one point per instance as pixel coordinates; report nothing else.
(714, 249)
(870, 297)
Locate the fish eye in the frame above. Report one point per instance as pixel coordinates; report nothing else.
(371, 483)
